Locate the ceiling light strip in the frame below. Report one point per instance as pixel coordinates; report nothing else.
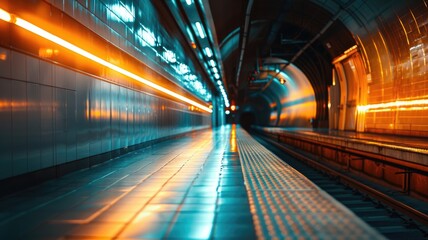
(200, 30)
(44, 34)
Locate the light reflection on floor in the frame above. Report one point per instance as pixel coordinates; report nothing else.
(184, 188)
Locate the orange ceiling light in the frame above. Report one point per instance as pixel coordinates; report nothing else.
(5, 16)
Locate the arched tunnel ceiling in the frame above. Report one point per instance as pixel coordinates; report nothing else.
(281, 28)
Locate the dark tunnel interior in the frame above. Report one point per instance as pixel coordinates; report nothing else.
(247, 119)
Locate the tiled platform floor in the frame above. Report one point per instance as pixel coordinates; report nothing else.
(188, 188)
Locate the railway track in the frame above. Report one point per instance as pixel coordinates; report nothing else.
(393, 219)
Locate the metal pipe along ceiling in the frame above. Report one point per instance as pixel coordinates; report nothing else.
(244, 39)
(320, 33)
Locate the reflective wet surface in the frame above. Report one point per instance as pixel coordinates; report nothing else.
(214, 184)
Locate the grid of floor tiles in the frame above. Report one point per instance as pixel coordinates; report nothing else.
(286, 205)
(189, 188)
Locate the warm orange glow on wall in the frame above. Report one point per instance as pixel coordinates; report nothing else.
(49, 36)
(420, 104)
(48, 52)
(346, 54)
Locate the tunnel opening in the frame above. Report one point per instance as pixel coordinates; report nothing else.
(247, 119)
(281, 95)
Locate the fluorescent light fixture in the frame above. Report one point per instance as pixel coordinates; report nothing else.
(227, 112)
(212, 63)
(189, 2)
(190, 34)
(125, 13)
(147, 36)
(192, 77)
(219, 82)
(5, 16)
(49, 36)
(216, 76)
(200, 30)
(183, 68)
(208, 52)
(169, 56)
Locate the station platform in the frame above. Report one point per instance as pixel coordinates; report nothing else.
(404, 148)
(212, 184)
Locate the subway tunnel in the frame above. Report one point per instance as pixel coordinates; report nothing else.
(130, 119)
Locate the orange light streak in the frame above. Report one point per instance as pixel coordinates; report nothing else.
(404, 30)
(5, 16)
(416, 22)
(233, 143)
(49, 36)
(366, 58)
(408, 43)
(379, 59)
(420, 104)
(387, 52)
(345, 54)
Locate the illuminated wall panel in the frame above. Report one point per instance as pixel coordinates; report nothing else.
(398, 60)
(56, 107)
(46, 121)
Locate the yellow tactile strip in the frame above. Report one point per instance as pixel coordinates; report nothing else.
(286, 205)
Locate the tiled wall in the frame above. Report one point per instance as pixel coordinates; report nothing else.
(100, 17)
(397, 58)
(60, 109)
(51, 115)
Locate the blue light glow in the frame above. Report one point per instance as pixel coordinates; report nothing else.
(160, 46)
(192, 78)
(183, 68)
(212, 63)
(208, 52)
(200, 30)
(219, 82)
(124, 13)
(215, 70)
(147, 36)
(198, 85)
(216, 76)
(169, 56)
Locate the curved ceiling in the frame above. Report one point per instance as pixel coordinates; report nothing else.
(307, 34)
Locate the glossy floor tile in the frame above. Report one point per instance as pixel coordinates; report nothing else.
(216, 184)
